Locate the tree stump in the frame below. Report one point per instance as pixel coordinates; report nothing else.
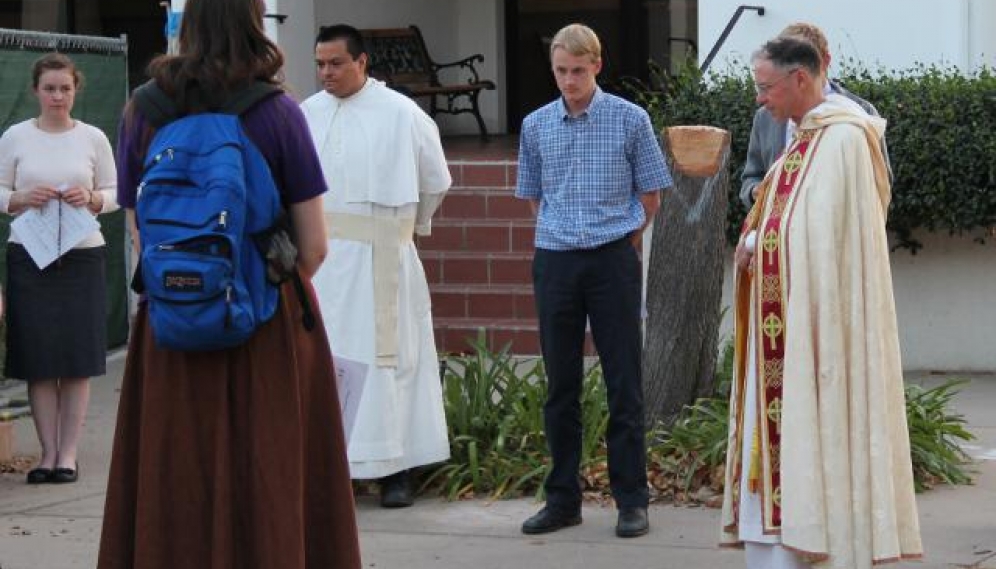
(685, 277)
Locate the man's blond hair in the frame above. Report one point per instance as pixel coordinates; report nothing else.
(812, 34)
(577, 40)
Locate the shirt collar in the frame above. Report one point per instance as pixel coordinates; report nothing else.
(596, 100)
(368, 84)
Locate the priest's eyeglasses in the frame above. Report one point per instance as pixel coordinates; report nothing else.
(763, 88)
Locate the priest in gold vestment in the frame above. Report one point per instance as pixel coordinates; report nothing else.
(818, 469)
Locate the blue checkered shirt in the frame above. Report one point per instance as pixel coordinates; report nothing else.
(589, 171)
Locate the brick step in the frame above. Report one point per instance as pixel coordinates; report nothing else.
(483, 301)
(456, 267)
(473, 174)
(481, 235)
(484, 203)
(452, 334)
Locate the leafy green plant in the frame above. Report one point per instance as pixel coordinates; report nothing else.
(494, 409)
(692, 453)
(934, 434)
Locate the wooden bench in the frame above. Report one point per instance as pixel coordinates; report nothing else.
(398, 57)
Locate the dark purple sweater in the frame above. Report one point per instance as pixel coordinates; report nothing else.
(277, 127)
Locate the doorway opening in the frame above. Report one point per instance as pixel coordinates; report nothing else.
(633, 34)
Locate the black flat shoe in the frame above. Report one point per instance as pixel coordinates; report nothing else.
(396, 490)
(632, 522)
(39, 475)
(547, 520)
(65, 475)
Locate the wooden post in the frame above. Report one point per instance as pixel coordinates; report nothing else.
(685, 277)
(6, 441)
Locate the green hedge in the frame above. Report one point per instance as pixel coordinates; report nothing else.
(941, 138)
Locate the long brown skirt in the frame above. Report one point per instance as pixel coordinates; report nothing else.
(232, 459)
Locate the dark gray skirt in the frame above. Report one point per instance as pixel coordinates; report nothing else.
(56, 317)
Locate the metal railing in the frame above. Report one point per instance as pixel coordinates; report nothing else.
(726, 32)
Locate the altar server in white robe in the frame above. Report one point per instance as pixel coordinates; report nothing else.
(384, 164)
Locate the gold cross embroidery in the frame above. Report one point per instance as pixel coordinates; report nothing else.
(772, 328)
(775, 414)
(792, 164)
(770, 244)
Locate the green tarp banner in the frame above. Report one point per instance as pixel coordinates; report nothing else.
(103, 62)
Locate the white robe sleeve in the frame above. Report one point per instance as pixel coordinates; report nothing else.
(433, 172)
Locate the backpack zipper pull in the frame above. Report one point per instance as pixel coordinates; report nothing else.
(223, 219)
(228, 307)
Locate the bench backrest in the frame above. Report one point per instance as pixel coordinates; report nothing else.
(398, 56)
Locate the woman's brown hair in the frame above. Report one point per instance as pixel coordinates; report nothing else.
(223, 48)
(55, 62)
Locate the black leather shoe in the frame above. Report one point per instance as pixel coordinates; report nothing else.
(65, 475)
(632, 522)
(39, 475)
(396, 490)
(547, 520)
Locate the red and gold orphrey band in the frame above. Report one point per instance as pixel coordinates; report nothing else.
(771, 266)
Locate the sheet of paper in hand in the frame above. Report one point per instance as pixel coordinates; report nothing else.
(50, 231)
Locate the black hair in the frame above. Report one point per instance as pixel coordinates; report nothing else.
(791, 52)
(354, 40)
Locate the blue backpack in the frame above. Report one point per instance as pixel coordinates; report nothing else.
(206, 192)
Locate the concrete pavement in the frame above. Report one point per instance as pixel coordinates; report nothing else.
(57, 527)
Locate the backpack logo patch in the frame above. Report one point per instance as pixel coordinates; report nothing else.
(183, 281)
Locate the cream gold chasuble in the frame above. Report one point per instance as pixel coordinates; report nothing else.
(829, 457)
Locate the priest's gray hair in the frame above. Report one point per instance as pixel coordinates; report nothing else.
(788, 53)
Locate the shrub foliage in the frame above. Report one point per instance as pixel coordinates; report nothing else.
(494, 410)
(494, 413)
(940, 136)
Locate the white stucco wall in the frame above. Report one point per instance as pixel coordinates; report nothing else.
(453, 29)
(892, 33)
(479, 28)
(296, 38)
(945, 304)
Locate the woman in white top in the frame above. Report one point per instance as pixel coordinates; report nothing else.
(56, 314)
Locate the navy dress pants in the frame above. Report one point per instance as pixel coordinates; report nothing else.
(600, 286)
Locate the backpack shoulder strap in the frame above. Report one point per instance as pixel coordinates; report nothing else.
(154, 104)
(159, 109)
(246, 98)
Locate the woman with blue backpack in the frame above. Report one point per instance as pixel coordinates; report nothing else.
(229, 450)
